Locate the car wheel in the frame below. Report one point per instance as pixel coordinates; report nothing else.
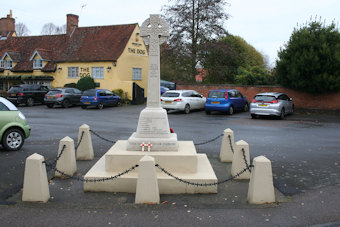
(119, 103)
(83, 107)
(245, 108)
(66, 103)
(49, 105)
(207, 112)
(187, 109)
(253, 116)
(231, 110)
(30, 101)
(13, 140)
(100, 106)
(282, 114)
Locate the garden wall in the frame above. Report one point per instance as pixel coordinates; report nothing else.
(329, 101)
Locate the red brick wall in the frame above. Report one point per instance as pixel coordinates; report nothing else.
(329, 101)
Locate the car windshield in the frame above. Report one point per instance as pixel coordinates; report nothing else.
(89, 93)
(216, 94)
(54, 92)
(170, 94)
(15, 89)
(264, 98)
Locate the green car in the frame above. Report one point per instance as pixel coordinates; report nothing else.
(13, 126)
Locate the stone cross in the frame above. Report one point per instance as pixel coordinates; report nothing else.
(154, 32)
(143, 145)
(149, 146)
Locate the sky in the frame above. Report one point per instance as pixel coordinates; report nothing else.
(265, 24)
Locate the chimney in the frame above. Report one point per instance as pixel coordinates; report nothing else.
(7, 25)
(72, 23)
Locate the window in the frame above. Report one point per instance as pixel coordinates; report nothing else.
(3, 107)
(136, 74)
(2, 64)
(7, 64)
(98, 72)
(37, 63)
(109, 93)
(72, 72)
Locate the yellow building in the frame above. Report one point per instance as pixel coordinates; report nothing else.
(114, 56)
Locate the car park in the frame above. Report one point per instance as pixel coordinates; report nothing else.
(99, 98)
(226, 100)
(271, 104)
(63, 96)
(182, 100)
(13, 126)
(28, 94)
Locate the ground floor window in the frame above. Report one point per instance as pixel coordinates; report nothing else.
(98, 72)
(136, 73)
(72, 72)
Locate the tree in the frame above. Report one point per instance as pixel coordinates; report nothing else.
(52, 29)
(85, 83)
(310, 61)
(21, 29)
(192, 22)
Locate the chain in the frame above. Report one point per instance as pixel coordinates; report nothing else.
(53, 163)
(96, 180)
(231, 146)
(99, 136)
(245, 161)
(209, 141)
(81, 138)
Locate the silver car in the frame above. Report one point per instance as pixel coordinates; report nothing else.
(271, 103)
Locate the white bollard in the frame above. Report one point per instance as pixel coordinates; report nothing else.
(35, 180)
(261, 187)
(85, 148)
(238, 163)
(67, 161)
(226, 152)
(147, 190)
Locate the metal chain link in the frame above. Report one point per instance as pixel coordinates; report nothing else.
(99, 136)
(53, 163)
(81, 138)
(231, 146)
(208, 141)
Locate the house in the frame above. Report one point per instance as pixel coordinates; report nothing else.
(114, 56)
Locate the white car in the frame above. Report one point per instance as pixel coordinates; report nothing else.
(183, 100)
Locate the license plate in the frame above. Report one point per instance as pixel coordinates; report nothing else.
(215, 102)
(50, 97)
(87, 103)
(263, 105)
(13, 94)
(168, 102)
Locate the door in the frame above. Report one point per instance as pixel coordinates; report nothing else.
(137, 94)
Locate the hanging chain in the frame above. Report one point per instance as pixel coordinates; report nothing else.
(208, 141)
(231, 145)
(81, 138)
(99, 136)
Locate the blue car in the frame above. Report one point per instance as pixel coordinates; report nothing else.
(164, 89)
(99, 98)
(226, 100)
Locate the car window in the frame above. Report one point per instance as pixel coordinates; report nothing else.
(186, 94)
(70, 91)
(15, 89)
(108, 93)
(3, 107)
(216, 94)
(89, 93)
(43, 88)
(232, 94)
(53, 92)
(75, 90)
(170, 94)
(102, 93)
(265, 98)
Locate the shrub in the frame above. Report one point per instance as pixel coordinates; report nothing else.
(85, 83)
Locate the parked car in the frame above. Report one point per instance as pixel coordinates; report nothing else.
(226, 100)
(183, 100)
(164, 89)
(99, 98)
(13, 126)
(63, 96)
(271, 103)
(28, 94)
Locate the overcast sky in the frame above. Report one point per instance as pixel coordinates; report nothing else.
(265, 24)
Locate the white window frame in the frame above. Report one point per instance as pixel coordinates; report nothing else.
(136, 73)
(97, 72)
(37, 64)
(8, 64)
(2, 64)
(72, 72)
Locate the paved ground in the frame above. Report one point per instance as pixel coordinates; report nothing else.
(303, 148)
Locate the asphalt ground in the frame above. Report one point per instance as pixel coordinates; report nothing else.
(303, 148)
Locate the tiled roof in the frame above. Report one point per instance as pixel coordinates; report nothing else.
(87, 44)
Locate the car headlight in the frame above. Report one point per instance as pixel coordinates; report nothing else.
(22, 116)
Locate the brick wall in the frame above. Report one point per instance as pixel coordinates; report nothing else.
(329, 101)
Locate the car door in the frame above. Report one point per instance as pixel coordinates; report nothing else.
(110, 98)
(76, 95)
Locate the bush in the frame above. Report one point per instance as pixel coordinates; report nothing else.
(310, 60)
(119, 92)
(254, 75)
(85, 83)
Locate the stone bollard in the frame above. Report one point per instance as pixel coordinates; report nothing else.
(147, 190)
(261, 187)
(35, 180)
(238, 163)
(226, 152)
(85, 148)
(67, 161)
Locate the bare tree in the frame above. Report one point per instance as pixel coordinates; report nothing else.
(21, 29)
(52, 29)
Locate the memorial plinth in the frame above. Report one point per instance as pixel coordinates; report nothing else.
(177, 157)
